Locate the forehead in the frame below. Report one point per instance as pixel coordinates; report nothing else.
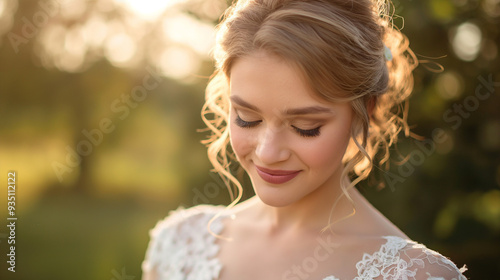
(261, 77)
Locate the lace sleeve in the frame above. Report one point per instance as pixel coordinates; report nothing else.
(430, 265)
(401, 259)
(181, 247)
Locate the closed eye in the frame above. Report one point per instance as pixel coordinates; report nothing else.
(302, 132)
(242, 123)
(307, 132)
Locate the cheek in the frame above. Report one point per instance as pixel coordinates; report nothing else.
(240, 142)
(327, 151)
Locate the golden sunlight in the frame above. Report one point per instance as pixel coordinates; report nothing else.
(148, 9)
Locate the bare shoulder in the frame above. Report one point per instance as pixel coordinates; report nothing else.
(369, 222)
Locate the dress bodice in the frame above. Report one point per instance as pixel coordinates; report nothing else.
(182, 248)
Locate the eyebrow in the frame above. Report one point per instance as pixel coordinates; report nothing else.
(236, 99)
(293, 111)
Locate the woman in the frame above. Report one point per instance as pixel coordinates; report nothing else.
(306, 92)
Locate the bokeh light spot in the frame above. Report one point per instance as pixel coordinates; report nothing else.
(72, 9)
(446, 220)
(446, 146)
(120, 49)
(466, 41)
(491, 7)
(200, 37)
(7, 11)
(95, 31)
(450, 85)
(51, 44)
(178, 63)
(3, 4)
(487, 208)
(74, 42)
(442, 10)
(148, 9)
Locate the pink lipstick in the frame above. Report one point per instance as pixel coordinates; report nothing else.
(276, 176)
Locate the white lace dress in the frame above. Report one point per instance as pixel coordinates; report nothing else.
(181, 248)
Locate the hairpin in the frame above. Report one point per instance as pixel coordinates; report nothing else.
(387, 53)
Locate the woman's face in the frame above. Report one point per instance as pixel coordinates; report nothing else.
(290, 143)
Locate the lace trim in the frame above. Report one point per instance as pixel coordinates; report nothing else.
(182, 248)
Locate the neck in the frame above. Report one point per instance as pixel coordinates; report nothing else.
(311, 213)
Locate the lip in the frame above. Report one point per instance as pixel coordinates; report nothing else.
(276, 176)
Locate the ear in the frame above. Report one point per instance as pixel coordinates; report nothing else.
(370, 105)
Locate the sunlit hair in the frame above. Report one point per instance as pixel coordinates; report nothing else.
(338, 46)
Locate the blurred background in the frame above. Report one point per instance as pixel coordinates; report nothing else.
(100, 118)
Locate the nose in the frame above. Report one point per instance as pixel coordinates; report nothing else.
(271, 146)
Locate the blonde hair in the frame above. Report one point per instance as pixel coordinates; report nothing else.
(338, 46)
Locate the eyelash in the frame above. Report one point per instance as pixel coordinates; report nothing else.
(302, 132)
(307, 132)
(241, 123)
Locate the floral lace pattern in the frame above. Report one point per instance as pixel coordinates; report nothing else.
(182, 248)
(401, 259)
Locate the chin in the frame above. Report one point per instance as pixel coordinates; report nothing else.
(274, 201)
(273, 195)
